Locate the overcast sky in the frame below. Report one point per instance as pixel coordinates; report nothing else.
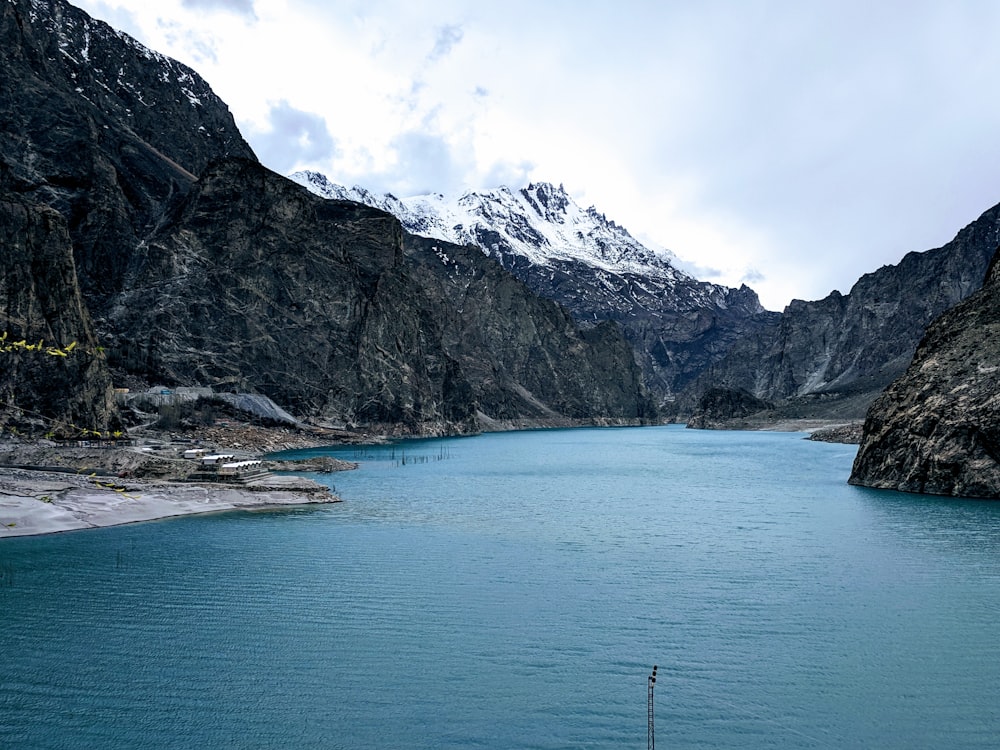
(790, 145)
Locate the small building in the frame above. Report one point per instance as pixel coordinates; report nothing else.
(221, 467)
(216, 458)
(242, 470)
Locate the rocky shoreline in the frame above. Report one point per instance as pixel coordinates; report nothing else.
(45, 502)
(47, 488)
(820, 430)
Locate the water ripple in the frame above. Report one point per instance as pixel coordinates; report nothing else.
(515, 594)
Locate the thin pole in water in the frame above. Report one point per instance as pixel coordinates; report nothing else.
(650, 736)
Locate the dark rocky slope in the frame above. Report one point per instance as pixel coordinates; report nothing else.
(102, 129)
(524, 354)
(677, 328)
(719, 407)
(252, 283)
(677, 325)
(833, 356)
(57, 379)
(593, 267)
(936, 429)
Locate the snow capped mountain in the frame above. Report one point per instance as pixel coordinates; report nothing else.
(593, 267)
(541, 224)
(78, 35)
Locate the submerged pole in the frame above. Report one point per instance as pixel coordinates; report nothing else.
(650, 734)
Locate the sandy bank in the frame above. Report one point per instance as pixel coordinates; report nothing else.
(821, 430)
(40, 502)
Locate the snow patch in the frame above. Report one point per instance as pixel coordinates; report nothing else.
(540, 223)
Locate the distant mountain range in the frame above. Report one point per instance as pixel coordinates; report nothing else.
(825, 358)
(832, 357)
(539, 224)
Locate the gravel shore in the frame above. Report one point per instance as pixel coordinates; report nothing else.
(47, 488)
(45, 502)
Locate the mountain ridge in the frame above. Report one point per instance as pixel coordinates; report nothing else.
(845, 348)
(565, 230)
(936, 428)
(676, 324)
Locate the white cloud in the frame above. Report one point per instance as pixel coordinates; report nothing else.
(448, 36)
(240, 7)
(294, 140)
(796, 144)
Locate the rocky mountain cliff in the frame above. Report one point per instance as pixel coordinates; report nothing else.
(827, 358)
(524, 354)
(203, 268)
(102, 129)
(834, 355)
(676, 324)
(331, 310)
(52, 373)
(937, 428)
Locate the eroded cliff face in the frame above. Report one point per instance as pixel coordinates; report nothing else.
(102, 129)
(252, 283)
(200, 267)
(57, 381)
(525, 356)
(847, 348)
(936, 429)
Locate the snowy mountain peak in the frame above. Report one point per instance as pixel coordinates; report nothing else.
(541, 223)
(591, 266)
(550, 202)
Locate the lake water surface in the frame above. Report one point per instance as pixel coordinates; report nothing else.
(513, 591)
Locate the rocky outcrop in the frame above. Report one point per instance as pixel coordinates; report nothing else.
(329, 309)
(103, 130)
(53, 376)
(842, 433)
(833, 356)
(718, 407)
(676, 324)
(936, 429)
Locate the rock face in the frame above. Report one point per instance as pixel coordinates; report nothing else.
(102, 129)
(57, 377)
(719, 406)
(936, 429)
(328, 308)
(202, 268)
(844, 349)
(524, 356)
(676, 324)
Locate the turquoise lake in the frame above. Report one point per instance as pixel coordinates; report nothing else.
(514, 590)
